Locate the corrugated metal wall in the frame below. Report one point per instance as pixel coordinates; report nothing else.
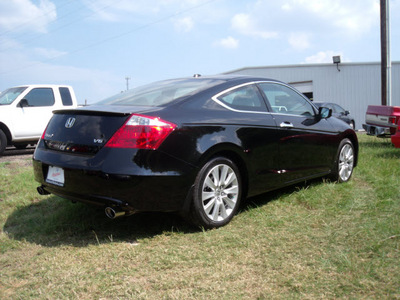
(356, 86)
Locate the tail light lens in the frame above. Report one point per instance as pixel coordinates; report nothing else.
(44, 133)
(141, 132)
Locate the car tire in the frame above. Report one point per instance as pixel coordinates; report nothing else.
(344, 163)
(217, 193)
(3, 142)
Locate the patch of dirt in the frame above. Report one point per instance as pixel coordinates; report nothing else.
(15, 158)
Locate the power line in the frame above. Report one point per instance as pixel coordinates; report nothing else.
(142, 26)
(24, 24)
(113, 37)
(35, 37)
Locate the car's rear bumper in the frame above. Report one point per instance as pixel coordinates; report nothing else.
(137, 190)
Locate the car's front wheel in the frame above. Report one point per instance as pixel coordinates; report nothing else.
(344, 163)
(217, 193)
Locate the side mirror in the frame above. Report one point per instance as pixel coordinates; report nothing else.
(325, 113)
(346, 113)
(23, 103)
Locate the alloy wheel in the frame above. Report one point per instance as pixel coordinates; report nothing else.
(346, 162)
(220, 192)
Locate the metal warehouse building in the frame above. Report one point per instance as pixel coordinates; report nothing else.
(351, 85)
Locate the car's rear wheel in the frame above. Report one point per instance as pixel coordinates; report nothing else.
(217, 193)
(3, 142)
(344, 163)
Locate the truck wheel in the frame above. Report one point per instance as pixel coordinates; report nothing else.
(3, 142)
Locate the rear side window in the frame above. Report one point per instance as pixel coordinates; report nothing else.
(40, 97)
(245, 98)
(65, 96)
(286, 101)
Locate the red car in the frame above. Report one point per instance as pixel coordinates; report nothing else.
(396, 137)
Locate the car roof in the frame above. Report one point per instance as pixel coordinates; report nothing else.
(226, 81)
(321, 103)
(222, 82)
(227, 78)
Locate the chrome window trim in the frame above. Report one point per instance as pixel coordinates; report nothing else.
(215, 99)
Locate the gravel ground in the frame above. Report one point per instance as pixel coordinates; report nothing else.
(12, 154)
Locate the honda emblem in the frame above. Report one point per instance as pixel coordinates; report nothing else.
(70, 122)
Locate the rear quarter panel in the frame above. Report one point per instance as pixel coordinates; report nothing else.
(250, 139)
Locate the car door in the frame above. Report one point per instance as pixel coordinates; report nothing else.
(34, 112)
(306, 141)
(257, 134)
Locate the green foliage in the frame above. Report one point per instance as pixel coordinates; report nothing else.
(312, 240)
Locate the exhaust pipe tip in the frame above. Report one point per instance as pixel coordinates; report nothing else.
(114, 212)
(42, 191)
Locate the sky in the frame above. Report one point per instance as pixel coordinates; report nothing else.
(94, 45)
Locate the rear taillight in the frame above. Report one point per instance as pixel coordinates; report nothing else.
(141, 132)
(44, 133)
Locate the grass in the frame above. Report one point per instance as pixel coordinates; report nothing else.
(316, 240)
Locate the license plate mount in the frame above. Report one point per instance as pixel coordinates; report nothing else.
(55, 176)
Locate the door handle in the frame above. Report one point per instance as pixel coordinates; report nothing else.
(286, 125)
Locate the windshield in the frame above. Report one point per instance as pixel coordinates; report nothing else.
(160, 93)
(9, 95)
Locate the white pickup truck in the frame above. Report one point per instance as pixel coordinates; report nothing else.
(26, 110)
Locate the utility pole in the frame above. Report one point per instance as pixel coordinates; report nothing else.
(386, 64)
(127, 82)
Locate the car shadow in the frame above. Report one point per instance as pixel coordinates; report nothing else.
(390, 154)
(55, 222)
(389, 150)
(374, 145)
(265, 198)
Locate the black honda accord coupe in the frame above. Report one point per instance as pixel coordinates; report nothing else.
(198, 146)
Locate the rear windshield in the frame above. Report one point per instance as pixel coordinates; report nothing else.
(8, 96)
(160, 93)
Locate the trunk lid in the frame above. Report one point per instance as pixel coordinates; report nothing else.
(86, 130)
